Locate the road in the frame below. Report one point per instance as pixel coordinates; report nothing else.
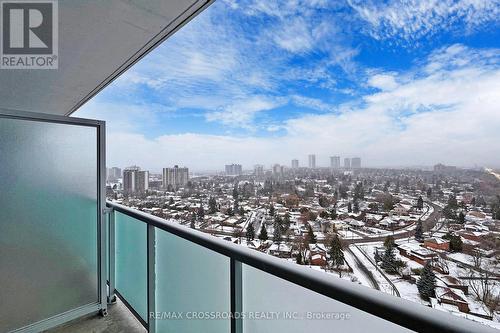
(366, 272)
(428, 224)
(433, 218)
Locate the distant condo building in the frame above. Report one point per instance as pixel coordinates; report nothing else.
(234, 169)
(135, 180)
(335, 162)
(175, 176)
(347, 163)
(258, 170)
(356, 163)
(312, 161)
(295, 164)
(113, 174)
(142, 181)
(441, 168)
(278, 170)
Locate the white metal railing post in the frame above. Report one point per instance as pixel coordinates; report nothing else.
(111, 257)
(151, 253)
(236, 296)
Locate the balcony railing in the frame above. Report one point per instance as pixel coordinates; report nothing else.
(176, 279)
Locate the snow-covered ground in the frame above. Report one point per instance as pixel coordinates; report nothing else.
(382, 282)
(347, 234)
(356, 270)
(487, 263)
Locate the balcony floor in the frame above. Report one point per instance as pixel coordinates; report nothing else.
(118, 320)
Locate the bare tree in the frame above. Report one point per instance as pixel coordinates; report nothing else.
(302, 246)
(493, 304)
(480, 280)
(477, 259)
(238, 233)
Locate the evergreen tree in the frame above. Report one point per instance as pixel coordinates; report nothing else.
(201, 212)
(299, 259)
(388, 203)
(171, 201)
(419, 232)
(235, 192)
(241, 211)
(311, 238)
(373, 206)
(277, 232)
(426, 285)
(449, 212)
(263, 233)
(461, 218)
(429, 192)
(236, 206)
(377, 257)
(229, 211)
(271, 210)
(420, 203)
(389, 241)
(250, 232)
(359, 192)
(349, 207)
(343, 191)
(455, 242)
(336, 254)
(212, 205)
(452, 201)
(286, 222)
(355, 207)
(193, 220)
(389, 260)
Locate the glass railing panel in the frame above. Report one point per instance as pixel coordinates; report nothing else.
(272, 304)
(48, 220)
(192, 281)
(131, 262)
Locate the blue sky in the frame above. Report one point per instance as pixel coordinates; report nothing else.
(262, 82)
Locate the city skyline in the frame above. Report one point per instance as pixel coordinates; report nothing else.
(236, 169)
(270, 82)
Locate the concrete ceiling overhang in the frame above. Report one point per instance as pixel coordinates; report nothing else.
(98, 41)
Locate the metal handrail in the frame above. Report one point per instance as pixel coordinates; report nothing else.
(402, 312)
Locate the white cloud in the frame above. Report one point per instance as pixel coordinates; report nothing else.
(414, 19)
(311, 103)
(242, 112)
(383, 81)
(295, 36)
(450, 114)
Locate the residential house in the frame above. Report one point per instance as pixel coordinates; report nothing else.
(437, 243)
(454, 297)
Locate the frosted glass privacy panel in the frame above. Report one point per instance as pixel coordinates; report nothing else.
(48, 220)
(282, 306)
(191, 280)
(131, 263)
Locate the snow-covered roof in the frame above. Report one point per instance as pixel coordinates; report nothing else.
(436, 240)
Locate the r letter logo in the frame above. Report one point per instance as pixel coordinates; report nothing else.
(29, 35)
